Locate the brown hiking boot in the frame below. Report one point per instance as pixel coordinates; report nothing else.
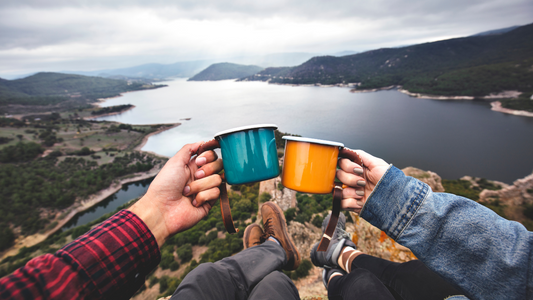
(252, 236)
(274, 225)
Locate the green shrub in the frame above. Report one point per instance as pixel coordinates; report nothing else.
(174, 266)
(528, 211)
(6, 237)
(317, 221)
(265, 197)
(290, 214)
(302, 270)
(153, 280)
(80, 230)
(185, 253)
(21, 152)
(166, 259)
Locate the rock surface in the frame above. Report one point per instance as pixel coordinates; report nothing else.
(431, 178)
(520, 193)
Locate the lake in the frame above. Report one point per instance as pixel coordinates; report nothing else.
(451, 138)
(128, 192)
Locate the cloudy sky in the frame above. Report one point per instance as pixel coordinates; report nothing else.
(84, 35)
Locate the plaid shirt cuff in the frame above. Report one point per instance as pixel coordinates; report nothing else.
(114, 258)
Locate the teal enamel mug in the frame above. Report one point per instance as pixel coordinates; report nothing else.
(249, 153)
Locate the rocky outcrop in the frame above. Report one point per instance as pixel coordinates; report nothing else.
(304, 236)
(431, 178)
(520, 193)
(285, 198)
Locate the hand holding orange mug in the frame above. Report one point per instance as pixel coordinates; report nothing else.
(359, 182)
(309, 166)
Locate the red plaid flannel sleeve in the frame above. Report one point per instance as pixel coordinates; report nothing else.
(110, 261)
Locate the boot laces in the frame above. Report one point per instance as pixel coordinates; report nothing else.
(268, 230)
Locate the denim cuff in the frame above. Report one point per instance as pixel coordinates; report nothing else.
(394, 202)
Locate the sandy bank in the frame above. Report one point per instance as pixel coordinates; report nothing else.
(146, 137)
(497, 106)
(78, 207)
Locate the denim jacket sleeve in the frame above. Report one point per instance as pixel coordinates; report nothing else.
(485, 255)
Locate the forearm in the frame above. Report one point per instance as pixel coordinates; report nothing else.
(110, 261)
(466, 243)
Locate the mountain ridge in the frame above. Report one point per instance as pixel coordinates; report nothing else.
(48, 88)
(469, 66)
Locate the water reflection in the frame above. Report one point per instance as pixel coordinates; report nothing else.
(126, 193)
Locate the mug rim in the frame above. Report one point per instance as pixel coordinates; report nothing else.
(313, 141)
(247, 127)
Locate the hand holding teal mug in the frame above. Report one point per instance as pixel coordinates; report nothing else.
(249, 155)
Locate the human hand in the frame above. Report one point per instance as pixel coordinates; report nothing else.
(181, 194)
(360, 180)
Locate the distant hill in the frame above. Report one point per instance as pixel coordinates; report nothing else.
(268, 74)
(183, 69)
(470, 66)
(223, 71)
(55, 88)
(496, 31)
(187, 69)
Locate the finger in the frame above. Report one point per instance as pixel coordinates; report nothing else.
(351, 204)
(350, 167)
(206, 157)
(203, 184)
(209, 169)
(353, 193)
(350, 179)
(207, 198)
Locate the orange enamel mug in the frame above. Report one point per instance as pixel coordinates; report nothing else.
(309, 165)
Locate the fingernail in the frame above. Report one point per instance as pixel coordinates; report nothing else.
(199, 174)
(200, 161)
(194, 203)
(360, 203)
(360, 193)
(186, 190)
(358, 171)
(361, 183)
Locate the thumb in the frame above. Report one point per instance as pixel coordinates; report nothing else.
(187, 151)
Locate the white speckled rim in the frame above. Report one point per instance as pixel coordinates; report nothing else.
(314, 141)
(244, 128)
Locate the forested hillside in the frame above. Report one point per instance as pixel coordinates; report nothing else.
(472, 66)
(53, 88)
(47, 162)
(224, 71)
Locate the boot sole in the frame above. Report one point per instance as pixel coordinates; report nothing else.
(294, 264)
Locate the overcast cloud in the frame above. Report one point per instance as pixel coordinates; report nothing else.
(55, 35)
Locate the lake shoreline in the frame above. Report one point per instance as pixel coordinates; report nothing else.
(497, 106)
(108, 114)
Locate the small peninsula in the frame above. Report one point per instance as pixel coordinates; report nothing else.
(224, 71)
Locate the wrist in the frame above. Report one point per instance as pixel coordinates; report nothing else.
(152, 217)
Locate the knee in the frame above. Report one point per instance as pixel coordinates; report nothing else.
(357, 282)
(203, 271)
(278, 278)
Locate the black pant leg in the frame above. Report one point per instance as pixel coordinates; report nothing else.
(358, 284)
(410, 280)
(275, 286)
(233, 277)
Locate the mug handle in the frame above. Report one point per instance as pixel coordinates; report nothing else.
(337, 197)
(224, 200)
